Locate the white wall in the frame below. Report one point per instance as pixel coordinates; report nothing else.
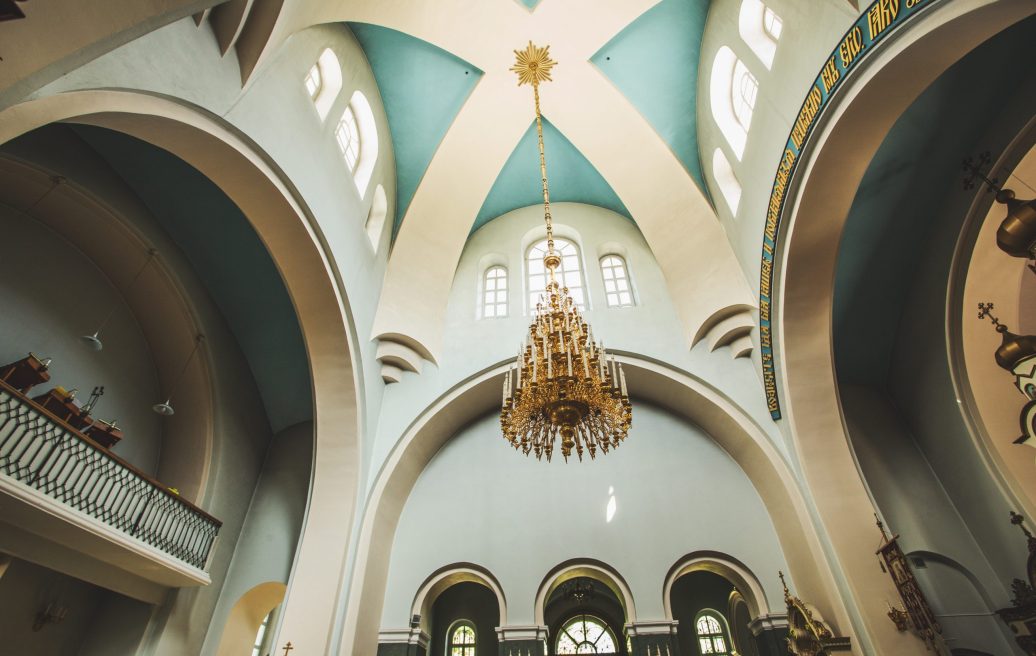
(651, 328)
(676, 492)
(50, 295)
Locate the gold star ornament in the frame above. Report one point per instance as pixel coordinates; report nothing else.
(533, 65)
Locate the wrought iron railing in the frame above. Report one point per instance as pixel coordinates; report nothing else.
(46, 454)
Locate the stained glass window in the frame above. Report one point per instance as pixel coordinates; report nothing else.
(616, 281)
(585, 634)
(569, 274)
(462, 640)
(494, 292)
(712, 639)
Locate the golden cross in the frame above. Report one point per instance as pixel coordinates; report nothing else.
(288, 647)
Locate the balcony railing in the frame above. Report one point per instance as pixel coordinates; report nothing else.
(49, 456)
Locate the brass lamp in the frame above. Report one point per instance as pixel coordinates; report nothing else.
(563, 382)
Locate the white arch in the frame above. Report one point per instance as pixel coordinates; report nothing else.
(726, 566)
(673, 390)
(750, 25)
(448, 577)
(330, 72)
(820, 195)
(588, 568)
(368, 129)
(285, 226)
(721, 100)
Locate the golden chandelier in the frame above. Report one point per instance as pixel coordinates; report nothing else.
(563, 382)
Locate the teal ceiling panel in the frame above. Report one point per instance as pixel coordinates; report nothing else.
(530, 4)
(422, 88)
(654, 63)
(572, 178)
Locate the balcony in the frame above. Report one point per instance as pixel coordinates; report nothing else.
(63, 498)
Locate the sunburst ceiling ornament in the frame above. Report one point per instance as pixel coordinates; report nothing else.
(533, 65)
(563, 383)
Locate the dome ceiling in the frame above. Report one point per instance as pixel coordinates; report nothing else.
(650, 58)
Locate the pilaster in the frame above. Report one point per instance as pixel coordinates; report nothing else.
(653, 638)
(528, 640)
(771, 632)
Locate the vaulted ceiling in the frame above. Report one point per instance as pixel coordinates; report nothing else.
(651, 58)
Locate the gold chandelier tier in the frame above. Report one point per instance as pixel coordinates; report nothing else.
(563, 383)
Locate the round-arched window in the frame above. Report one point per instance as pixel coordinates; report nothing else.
(585, 634)
(569, 273)
(462, 639)
(712, 638)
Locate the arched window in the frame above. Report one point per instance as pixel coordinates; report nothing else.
(347, 134)
(376, 217)
(616, 281)
(494, 292)
(727, 182)
(366, 130)
(260, 636)
(743, 88)
(726, 71)
(772, 23)
(585, 634)
(760, 28)
(461, 641)
(712, 637)
(569, 274)
(324, 82)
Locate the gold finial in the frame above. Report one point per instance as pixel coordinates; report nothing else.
(533, 65)
(787, 595)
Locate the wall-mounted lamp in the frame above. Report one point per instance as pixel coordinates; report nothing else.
(51, 614)
(94, 341)
(165, 408)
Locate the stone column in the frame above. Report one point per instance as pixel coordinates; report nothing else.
(770, 633)
(402, 642)
(530, 640)
(653, 638)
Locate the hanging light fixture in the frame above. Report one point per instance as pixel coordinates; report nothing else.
(563, 383)
(94, 341)
(165, 408)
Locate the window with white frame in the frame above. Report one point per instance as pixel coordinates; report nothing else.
(260, 636)
(760, 28)
(376, 217)
(366, 129)
(772, 23)
(494, 292)
(569, 273)
(712, 638)
(461, 641)
(617, 289)
(323, 82)
(721, 98)
(347, 134)
(585, 634)
(313, 81)
(744, 88)
(729, 186)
